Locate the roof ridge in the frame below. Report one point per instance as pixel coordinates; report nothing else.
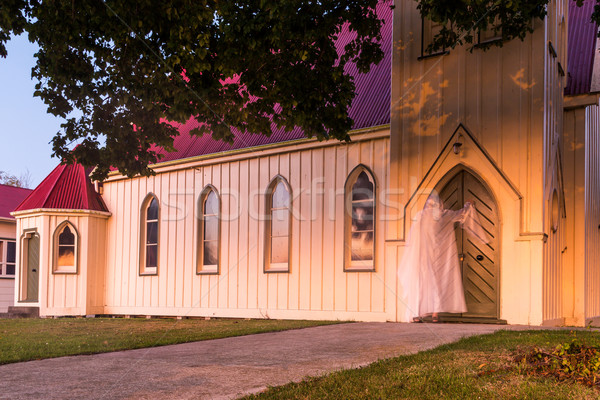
(85, 189)
(53, 186)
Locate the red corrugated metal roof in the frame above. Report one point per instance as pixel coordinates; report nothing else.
(67, 187)
(582, 44)
(10, 198)
(370, 107)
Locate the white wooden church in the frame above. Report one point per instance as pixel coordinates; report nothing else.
(288, 227)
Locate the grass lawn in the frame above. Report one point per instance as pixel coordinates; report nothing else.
(479, 367)
(32, 339)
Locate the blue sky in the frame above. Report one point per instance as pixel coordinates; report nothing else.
(25, 127)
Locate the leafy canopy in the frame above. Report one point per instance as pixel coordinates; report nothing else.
(462, 20)
(128, 67)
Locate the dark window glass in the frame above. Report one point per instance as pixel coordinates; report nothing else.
(151, 256)
(152, 232)
(362, 188)
(280, 224)
(211, 227)
(210, 253)
(66, 237)
(362, 218)
(211, 205)
(66, 248)
(210, 233)
(152, 212)
(11, 252)
(10, 257)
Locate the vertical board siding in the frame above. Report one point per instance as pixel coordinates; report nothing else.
(510, 100)
(498, 95)
(7, 294)
(553, 268)
(592, 212)
(315, 284)
(552, 290)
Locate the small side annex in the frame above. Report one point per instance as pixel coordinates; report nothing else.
(61, 245)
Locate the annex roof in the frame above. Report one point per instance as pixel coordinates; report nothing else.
(10, 198)
(582, 43)
(370, 107)
(67, 187)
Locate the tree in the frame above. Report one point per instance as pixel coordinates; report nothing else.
(130, 67)
(23, 181)
(462, 19)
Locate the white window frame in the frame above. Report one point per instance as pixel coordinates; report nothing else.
(201, 268)
(3, 258)
(144, 270)
(268, 266)
(68, 269)
(349, 264)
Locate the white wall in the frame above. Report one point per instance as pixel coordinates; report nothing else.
(592, 213)
(316, 286)
(7, 285)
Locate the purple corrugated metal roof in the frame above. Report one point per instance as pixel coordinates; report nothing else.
(10, 198)
(582, 44)
(67, 187)
(370, 107)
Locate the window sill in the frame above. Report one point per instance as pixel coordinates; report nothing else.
(149, 273)
(360, 266)
(208, 272)
(277, 269)
(486, 43)
(433, 55)
(7, 277)
(64, 272)
(359, 269)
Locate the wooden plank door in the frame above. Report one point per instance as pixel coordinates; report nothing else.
(33, 267)
(479, 261)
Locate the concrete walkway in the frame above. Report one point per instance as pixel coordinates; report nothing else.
(224, 368)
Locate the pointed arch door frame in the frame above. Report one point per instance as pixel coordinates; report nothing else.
(474, 157)
(479, 262)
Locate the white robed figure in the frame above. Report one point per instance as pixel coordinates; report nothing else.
(430, 272)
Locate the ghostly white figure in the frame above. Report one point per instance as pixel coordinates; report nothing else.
(430, 272)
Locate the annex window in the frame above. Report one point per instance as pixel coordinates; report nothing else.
(429, 30)
(149, 236)
(209, 232)
(7, 258)
(278, 226)
(360, 221)
(65, 249)
(492, 33)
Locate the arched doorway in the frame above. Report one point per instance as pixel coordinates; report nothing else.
(30, 266)
(480, 262)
